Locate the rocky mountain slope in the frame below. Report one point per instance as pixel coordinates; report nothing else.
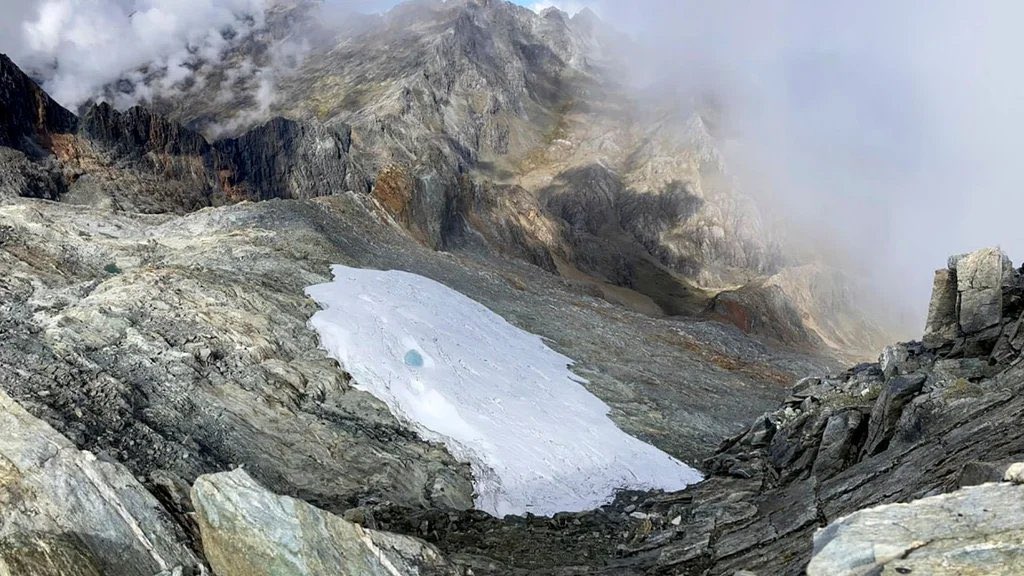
(176, 345)
(478, 125)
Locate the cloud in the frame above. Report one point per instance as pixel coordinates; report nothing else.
(77, 47)
(884, 133)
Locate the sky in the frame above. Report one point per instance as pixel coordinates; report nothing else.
(885, 132)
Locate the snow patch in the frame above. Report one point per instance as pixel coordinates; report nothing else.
(495, 395)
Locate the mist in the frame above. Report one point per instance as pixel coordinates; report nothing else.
(880, 135)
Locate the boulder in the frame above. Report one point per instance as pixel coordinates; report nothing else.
(892, 359)
(981, 277)
(977, 530)
(64, 512)
(942, 316)
(249, 531)
(977, 473)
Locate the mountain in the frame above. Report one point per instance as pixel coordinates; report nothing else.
(477, 125)
(171, 410)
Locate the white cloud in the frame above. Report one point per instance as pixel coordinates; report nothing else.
(885, 130)
(76, 47)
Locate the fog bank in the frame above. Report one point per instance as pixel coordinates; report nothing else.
(881, 133)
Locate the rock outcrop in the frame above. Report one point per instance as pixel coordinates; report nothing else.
(249, 531)
(64, 512)
(285, 159)
(975, 299)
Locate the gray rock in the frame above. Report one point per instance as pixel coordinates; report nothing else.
(249, 531)
(20, 176)
(977, 473)
(981, 277)
(839, 443)
(941, 327)
(950, 370)
(976, 530)
(892, 358)
(64, 512)
(888, 408)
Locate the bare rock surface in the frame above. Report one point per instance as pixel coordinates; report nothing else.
(178, 345)
(937, 418)
(166, 344)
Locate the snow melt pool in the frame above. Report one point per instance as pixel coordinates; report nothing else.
(495, 395)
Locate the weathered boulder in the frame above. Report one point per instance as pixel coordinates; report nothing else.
(981, 277)
(249, 531)
(64, 512)
(977, 530)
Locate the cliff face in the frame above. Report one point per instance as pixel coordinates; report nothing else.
(140, 161)
(28, 116)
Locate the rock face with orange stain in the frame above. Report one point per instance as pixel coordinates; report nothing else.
(27, 114)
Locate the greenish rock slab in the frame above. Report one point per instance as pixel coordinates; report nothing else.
(249, 531)
(63, 512)
(974, 531)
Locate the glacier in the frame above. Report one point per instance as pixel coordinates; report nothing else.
(498, 397)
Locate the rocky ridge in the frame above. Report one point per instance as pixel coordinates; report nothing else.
(139, 161)
(175, 343)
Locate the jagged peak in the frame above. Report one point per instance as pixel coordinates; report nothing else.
(586, 15)
(552, 12)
